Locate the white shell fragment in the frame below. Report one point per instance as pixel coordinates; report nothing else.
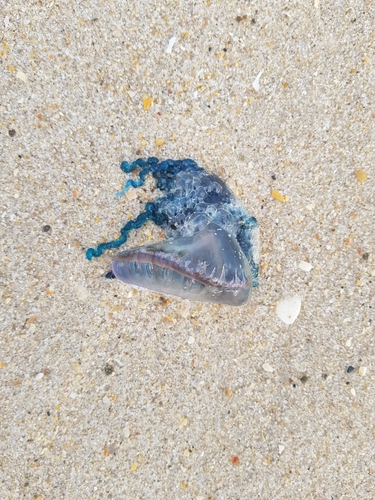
(21, 76)
(305, 266)
(170, 45)
(268, 368)
(288, 309)
(256, 81)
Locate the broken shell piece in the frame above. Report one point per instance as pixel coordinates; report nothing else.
(288, 309)
(305, 266)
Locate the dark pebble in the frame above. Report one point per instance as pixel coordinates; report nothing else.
(365, 256)
(273, 177)
(12, 132)
(108, 369)
(350, 369)
(110, 276)
(46, 228)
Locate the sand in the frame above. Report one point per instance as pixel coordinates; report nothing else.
(112, 393)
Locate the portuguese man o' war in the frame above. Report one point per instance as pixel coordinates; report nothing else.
(212, 250)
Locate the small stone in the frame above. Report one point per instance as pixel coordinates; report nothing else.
(184, 309)
(348, 343)
(305, 266)
(106, 400)
(182, 423)
(76, 367)
(362, 371)
(147, 101)
(108, 369)
(288, 309)
(159, 142)
(126, 432)
(361, 175)
(276, 195)
(191, 340)
(46, 228)
(353, 391)
(134, 467)
(350, 369)
(131, 195)
(12, 132)
(281, 449)
(39, 376)
(365, 256)
(268, 368)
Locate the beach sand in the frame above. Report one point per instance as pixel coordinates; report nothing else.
(113, 393)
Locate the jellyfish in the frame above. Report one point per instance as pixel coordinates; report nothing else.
(212, 250)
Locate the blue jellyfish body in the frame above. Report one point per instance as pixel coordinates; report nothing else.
(212, 250)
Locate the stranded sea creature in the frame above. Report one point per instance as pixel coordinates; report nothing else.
(212, 250)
